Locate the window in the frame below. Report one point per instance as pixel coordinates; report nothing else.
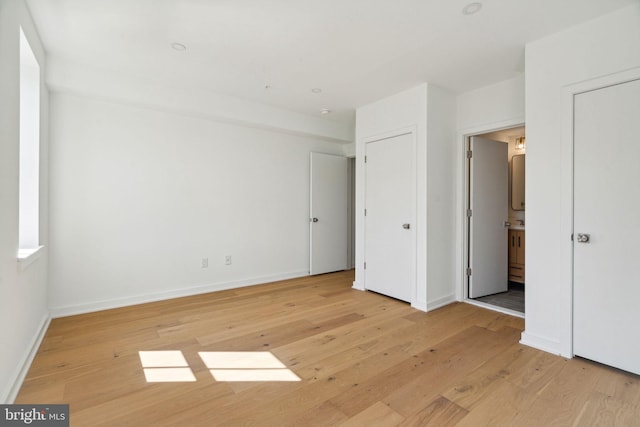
(29, 194)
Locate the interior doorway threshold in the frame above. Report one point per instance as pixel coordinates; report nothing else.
(495, 308)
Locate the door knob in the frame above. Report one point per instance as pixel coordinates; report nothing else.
(583, 238)
(314, 219)
(406, 226)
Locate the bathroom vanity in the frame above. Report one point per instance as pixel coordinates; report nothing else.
(516, 254)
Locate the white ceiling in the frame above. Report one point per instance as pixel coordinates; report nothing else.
(356, 51)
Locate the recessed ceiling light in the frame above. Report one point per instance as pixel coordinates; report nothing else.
(179, 46)
(316, 90)
(472, 8)
(325, 111)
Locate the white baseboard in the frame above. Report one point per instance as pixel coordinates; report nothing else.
(11, 392)
(160, 296)
(358, 286)
(420, 305)
(441, 302)
(541, 343)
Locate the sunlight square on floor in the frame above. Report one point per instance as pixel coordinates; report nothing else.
(244, 375)
(242, 366)
(165, 366)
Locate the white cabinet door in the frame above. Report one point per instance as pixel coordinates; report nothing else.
(328, 207)
(606, 206)
(389, 221)
(489, 255)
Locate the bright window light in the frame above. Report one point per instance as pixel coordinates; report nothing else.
(29, 175)
(165, 366)
(162, 359)
(241, 375)
(168, 375)
(231, 366)
(240, 360)
(244, 366)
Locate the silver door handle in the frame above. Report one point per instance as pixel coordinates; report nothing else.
(583, 238)
(314, 219)
(406, 226)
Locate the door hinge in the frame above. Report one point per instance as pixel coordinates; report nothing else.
(365, 265)
(469, 213)
(469, 154)
(365, 159)
(469, 271)
(365, 212)
(572, 237)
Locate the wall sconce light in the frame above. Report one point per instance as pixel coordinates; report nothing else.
(520, 143)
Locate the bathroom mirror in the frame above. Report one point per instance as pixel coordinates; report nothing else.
(517, 182)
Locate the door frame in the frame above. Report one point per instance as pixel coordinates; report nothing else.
(412, 130)
(462, 260)
(567, 181)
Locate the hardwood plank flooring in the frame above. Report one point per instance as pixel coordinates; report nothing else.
(362, 359)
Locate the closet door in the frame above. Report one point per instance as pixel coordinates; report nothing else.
(606, 225)
(328, 208)
(390, 217)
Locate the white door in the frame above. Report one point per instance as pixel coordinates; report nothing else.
(389, 220)
(606, 206)
(489, 203)
(328, 218)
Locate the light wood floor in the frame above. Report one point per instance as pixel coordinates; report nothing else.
(363, 360)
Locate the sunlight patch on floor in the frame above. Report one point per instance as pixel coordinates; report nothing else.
(246, 366)
(165, 366)
(224, 366)
(243, 375)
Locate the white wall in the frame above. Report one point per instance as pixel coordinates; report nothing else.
(441, 192)
(23, 289)
(492, 107)
(140, 196)
(603, 46)
(486, 109)
(429, 112)
(66, 76)
(386, 117)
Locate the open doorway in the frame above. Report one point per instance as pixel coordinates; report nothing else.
(495, 222)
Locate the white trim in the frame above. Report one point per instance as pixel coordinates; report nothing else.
(9, 395)
(165, 295)
(492, 127)
(404, 130)
(566, 212)
(358, 286)
(541, 343)
(413, 131)
(349, 149)
(420, 305)
(26, 257)
(494, 308)
(440, 302)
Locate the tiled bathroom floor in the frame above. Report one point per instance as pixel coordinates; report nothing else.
(513, 299)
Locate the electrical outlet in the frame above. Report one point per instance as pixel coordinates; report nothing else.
(205, 263)
(227, 260)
